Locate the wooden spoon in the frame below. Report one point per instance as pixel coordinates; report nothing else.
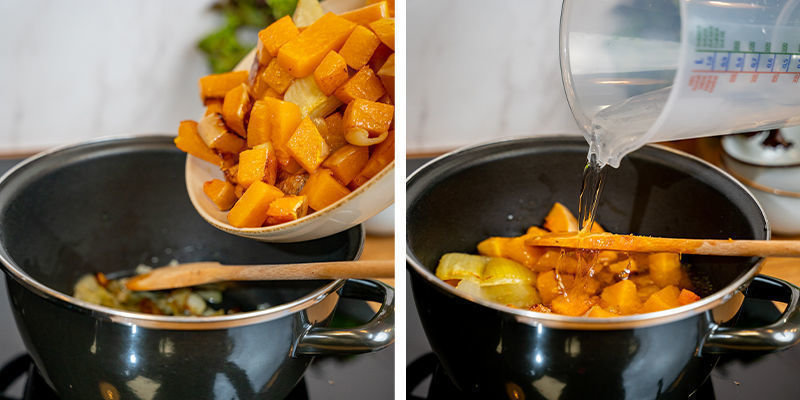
(198, 273)
(645, 244)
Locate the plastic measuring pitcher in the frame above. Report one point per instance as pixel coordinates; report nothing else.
(639, 71)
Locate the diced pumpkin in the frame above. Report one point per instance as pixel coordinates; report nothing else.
(287, 208)
(260, 88)
(235, 107)
(644, 292)
(599, 312)
(363, 85)
(213, 106)
(309, 97)
(238, 190)
(384, 29)
(306, 13)
(382, 155)
(220, 192)
(535, 231)
(621, 297)
(277, 77)
(379, 57)
(284, 117)
(375, 117)
(665, 268)
(331, 73)
(663, 299)
(334, 134)
(389, 3)
(627, 265)
(215, 135)
(687, 297)
(323, 189)
(260, 124)
(516, 250)
(368, 13)
(359, 46)
(301, 55)
(307, 146)
(251, 209)
(548, 285)
(493, 246)
(386, 74)
(347, 162)
(257, 164)
(276, 35)
(560, 219)
(293, 184)
(556, 260)
(217, 85)
(189, 141)
(572, 303)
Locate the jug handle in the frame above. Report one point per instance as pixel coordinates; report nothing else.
(375, 334)
(783, 333)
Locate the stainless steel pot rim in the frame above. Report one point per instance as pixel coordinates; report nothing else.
(150, 320)
(588, 323)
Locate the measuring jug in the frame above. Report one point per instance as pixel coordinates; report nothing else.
(640, 71)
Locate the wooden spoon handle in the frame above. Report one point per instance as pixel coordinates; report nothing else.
(199, 273)
(645, 244)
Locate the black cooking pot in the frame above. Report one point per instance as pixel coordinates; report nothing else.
(500, 189)
(110, 205)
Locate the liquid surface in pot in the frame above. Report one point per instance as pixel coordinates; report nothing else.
(574, 282)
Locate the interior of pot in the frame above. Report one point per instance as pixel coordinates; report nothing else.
(503, 188)
(112, 205)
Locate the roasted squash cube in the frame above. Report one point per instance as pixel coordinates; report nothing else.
(599, 312)
(331, 73)
(257, 164)
(621, 297)
(287, 208)
(234, 108)
(221, 193)
(277, 77)
(372, 116)
(560, 219)
(260, 124)
(573, 303)
(251, 209)
(379, 57)
(213, 106)
(517, 250)
(556, 260)
(276, 35)
(365, 84)
(215, 135)
(368, 13)
(284, 118)
(218, 85)
(307, 146)
(382, 155)
(384, 29)
(334, 134)
(323, 189)
(386, 74)
(549, 286)
(347, 162)
(663, 299)
(359, 46)
(687, 297)
(189, 140)
(493, 247)
(301, 55)
(665, 268)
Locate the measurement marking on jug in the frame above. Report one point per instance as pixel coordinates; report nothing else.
(750, 52)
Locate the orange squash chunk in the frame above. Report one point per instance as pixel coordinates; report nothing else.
(621, 297)
(220, 192)
(363, 85)
(379, 57)
(287, 208)
(384, 29)
(260, 88)
(359, 47)
(307, 146)
(215, 135)
(213, 106)
(560, 219)
(334, 134)
(554, 259)
(687, 297)
(389, 3)
(386, 75)
(665, 268)
(548, 286)
(217, 85)
(234, 108)
(276, 35)
(367, 14)
(284, 119)
(600, 312)
(516, 250)
(257, 164)
(372, 116)
(347, 162)
(301, 55)
(277, 77)
(493, 246)
(259, 126)
(323, 189)
(382, 155)
(189, 141)
(663, 299)
(574, 303)
(251, 209)
(331, 73)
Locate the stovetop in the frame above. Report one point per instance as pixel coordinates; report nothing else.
(365, 376)
(773, 376)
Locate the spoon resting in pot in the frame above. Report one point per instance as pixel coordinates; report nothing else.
(199, 273)
(646, 244)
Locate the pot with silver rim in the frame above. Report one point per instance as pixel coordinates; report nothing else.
(108, 205)
(502, 188)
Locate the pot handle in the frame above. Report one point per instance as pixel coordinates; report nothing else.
(783, 333)
(374, 335)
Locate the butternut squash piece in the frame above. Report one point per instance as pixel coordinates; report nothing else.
(389, 3)
(287, 208)
(213, 106)
(599, 312)
(260, 124)
(663, 299)
(363, 85)
(382, 155)
(549, 287)
(384, 29)
(665, 268)
(627, 266)
(323, 189)
(334, 134)
(293, 184)
(515, 249)
(217, 85)
(301, 55)
(284, 118)
(277, 77)
(560, 219)
(235, 107)
(251, 209)
(379, 57)
(493, 247)
(189, 141)
(386, 74)
(276, 35)
(621, 297)
(331, 73)
(221, 193)
(359, 46)
(687, 297)
(375, 117)
(216, 136)
(257, 164)
(347, 162)
(368, 13)
(555, 259)
(260, 88)
(574, 303)
(307, 146)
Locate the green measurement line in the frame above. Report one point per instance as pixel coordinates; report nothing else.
(745, 52)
